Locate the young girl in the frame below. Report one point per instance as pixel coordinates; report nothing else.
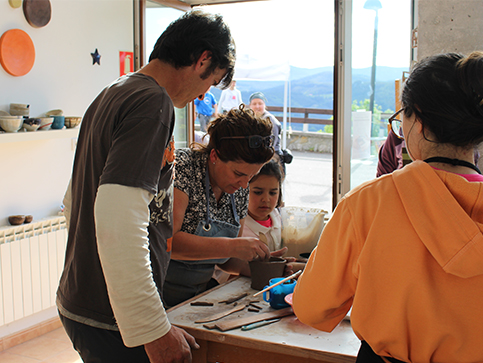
(264, 220)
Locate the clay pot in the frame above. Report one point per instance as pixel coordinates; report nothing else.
(263, 271)
(16, 220)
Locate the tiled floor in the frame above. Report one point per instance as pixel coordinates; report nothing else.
(53, 347)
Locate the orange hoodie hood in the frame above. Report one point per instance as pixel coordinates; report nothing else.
(445, 199)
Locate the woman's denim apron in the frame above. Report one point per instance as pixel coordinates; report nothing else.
(186, 279)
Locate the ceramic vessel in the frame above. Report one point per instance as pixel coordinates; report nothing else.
(72, 121)
(28, 218)
(31, 124)
(58, 122)
(262, 271)
(45, 123)
(56, 112)
(11, 123)
(16, 220)
(19, 109)
(4, 113)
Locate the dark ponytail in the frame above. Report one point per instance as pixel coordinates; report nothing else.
(445, 92)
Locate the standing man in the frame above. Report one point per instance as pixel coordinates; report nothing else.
(230, 98)
(206, 108)
(119, 202)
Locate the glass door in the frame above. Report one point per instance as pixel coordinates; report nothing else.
(381, 55)
(272, 37)
(157, 17)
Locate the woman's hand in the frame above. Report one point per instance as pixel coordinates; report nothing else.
(292, 264)
(250, 248)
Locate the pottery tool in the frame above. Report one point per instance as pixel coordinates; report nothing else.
(221, 315)
(233, 299)
(256, 306)
(279, 283)
(236, 323)
(201, 303)
(259, 324)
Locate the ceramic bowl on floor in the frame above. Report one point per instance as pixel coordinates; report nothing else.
(72, 121)
(11, 123)
(31, 123)
(45, 123)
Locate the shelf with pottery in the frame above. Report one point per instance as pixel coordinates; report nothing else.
(20, 136)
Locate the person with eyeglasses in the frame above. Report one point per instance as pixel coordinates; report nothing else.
(211, 203)
(405, 251)
(390, 154)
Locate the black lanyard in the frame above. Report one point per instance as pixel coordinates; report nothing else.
(454, 162)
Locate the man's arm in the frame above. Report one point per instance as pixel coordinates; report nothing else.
(122, 217)
(67, 201)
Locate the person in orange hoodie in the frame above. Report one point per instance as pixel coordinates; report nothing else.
(405, 251)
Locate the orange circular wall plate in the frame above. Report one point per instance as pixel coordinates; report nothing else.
(17, 52)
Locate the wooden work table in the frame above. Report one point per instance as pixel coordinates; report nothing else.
(286, 341)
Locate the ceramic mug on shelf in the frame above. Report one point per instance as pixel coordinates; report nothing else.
(276, 295)
(58, 123)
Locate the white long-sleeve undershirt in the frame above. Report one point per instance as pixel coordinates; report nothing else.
(122, 217)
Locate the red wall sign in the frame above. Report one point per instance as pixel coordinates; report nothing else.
(126, 62)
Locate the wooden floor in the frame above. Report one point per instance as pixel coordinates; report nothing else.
(52, 347)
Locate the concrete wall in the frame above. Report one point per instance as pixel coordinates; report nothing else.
(449, 26)
(34, 174)
(310, 141)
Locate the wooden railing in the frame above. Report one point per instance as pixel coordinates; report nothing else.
(295, 112)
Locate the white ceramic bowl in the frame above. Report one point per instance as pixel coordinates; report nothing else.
(45, 123)
(11, 123)
(31, 124)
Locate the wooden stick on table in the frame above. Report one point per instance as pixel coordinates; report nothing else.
(279, 283)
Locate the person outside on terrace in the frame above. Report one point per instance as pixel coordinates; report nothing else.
(230, 98)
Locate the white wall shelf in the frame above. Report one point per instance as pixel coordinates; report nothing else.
(9, 137)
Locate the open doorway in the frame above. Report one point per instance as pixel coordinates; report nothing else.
(302, 33)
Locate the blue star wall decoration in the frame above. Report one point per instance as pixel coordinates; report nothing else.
(96, 57)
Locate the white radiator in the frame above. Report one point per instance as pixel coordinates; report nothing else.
(31, 262)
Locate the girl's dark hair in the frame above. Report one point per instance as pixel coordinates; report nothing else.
(238, 122)
(185, 39)
(273, 168)
(445, 92)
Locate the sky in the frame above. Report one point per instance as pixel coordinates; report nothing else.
(304, 35)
